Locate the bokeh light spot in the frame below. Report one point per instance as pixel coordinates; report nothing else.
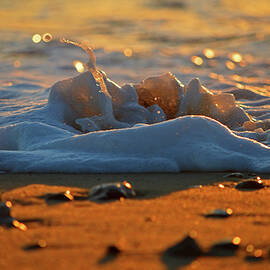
(78, 66)
(230, 65)
(47, 37)
(197, 60)
(209, 53)
(128, 52)
(17, 63)
(236, 57)
(36, 38)
(236, 240)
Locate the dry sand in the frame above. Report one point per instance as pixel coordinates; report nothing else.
(167, 209)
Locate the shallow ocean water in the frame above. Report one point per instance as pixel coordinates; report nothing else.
(224, 43)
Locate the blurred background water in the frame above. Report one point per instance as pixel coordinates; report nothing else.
(224, 42)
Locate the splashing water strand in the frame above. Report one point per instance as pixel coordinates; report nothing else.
(91, 64)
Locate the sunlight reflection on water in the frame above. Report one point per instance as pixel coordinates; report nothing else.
(138, 38)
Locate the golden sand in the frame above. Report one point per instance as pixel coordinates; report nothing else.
(76, 235)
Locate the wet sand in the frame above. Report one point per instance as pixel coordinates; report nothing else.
(167, 208)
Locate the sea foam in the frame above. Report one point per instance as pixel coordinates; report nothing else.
(92, 125)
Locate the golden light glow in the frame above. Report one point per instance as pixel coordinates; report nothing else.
(258, 253)
(242, 64)
(240, 86)
(259, 179)
(8, 204)
(36, 38)
(249, 248)
(128, 52)
(213, 75)
(236, 240)
(209, 53)
(19, 225)
(127, 184)
(69, 195)
(236, 57)
(42, 243)
(47, 37)
(230, 65)
(7, 84)
(79, 66)
(197, 60)
(17, 63)
(236, 77)
(221, 186)
(229, 211)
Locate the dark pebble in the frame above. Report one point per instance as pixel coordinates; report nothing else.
(250, 185)
(62, 197)
(111, 191)
(113, 250)
(225, 248)
(188, 247)
(255, 256)
(219, 213)
(252, 258)
(5, 208)
(7, 220)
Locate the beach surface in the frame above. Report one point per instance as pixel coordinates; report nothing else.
(166, 209)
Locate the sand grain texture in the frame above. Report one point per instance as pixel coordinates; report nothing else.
(78, 233)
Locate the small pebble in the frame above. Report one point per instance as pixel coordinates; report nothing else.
(38, 245)
(188, 247)
(255, 256)
(5, 208)
(226, 247)
(250, 184)
(113, 250)
(111, 191)
(219, 213)
(7, 220)
(63, 197)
